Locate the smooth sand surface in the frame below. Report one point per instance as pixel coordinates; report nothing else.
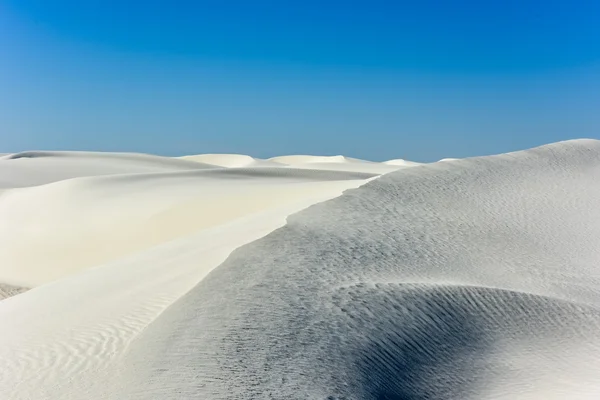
(402, 163)
(339, 163)
(78, 223)
(471, 279)
(231, 160)
(109, 241)
(34, 168)
(304, 159)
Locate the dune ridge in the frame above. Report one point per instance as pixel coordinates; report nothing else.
(7, 291)
(231, 160)
(114, 250)
(304, 159)
(504, 250)
(82, 222)
(470, 279)
(33, 168)
(401, 162)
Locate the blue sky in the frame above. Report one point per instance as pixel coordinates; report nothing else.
(420, 80)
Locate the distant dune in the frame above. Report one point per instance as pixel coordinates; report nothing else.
(301, 277)
(34, 168)
(336, 163)
(402, 163)
(304, 159)
(231, 160)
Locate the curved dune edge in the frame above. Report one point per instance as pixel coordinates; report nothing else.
(85, 222)
(79, 326)
(473, 279)
(507, 305)
(173, 223)
(230, 160)
(7, 291)
(35, 168)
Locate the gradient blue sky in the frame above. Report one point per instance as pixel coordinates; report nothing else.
(375, 79)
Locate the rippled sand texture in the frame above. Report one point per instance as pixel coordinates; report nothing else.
(9, 290)
(463, 279)
(108, 241)
(474, 279)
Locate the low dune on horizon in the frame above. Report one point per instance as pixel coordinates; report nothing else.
(223, 276)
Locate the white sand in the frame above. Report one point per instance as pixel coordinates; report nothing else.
(149, 236)
(78, 223)
(448, 159)
(305, 159)
(231, 160)
(40, 167)
(339, 163)
(472, 279)
(402, 163)
(9, 290)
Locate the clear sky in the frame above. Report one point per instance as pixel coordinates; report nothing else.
(420, 80)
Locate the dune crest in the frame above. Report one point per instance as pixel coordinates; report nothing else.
(231, 160)
(402, 163)
(445, 281)
(305, 159)
(34, 168)
(114, 248)
(471, 279)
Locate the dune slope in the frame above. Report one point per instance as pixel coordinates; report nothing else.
(78, 223)
(476, 279)
(471, 279)
(34, 168)
(106, 254)
(231, 160)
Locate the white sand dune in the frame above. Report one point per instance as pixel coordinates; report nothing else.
(304, 159)
(231, 160)
(448, 159)
(374, 168)
(113, 250)
(78, 223)
(323, 163)
(471, 279)
(34, 168)
(338, 163)
(402, 163)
